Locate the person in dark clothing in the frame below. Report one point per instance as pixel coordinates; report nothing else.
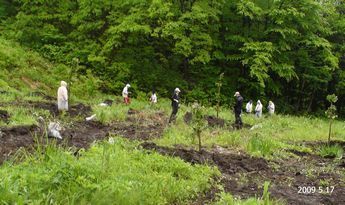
(174, 104)
(238, 109)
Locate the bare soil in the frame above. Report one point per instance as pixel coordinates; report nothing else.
(243, 176)
(82, 133)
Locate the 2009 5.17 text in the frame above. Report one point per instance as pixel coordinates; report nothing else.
(313, 189)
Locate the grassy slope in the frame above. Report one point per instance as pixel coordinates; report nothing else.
(273, 133)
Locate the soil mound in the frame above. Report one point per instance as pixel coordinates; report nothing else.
(228, 163)
(132, 111)
(188, 117)
(108, 102)
(4, 116)
(214, 121)
(14, 138)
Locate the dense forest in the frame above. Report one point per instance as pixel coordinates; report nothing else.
(288, 51)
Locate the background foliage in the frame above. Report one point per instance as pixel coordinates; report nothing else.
(291, 52)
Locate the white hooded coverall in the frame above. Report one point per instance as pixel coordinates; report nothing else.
(62, 96)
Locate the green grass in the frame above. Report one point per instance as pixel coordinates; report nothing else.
(23, 116)
(272, 136)
(107, 173)
(106, 115)
(331, 151)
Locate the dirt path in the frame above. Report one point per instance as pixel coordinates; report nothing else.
(243, 176)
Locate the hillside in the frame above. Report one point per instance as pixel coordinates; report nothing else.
(290, 52)
(130, 155)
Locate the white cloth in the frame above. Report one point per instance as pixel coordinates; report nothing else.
(249, 107)
(154, 98)
(91, 117)
(62, 98)
(258, 109)
(54, 129)
(271, 108)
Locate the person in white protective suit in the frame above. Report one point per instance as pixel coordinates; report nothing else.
(62, 97)
(271, 108)
(125, 93)
(249, 107)
(153, 98)
(258, 109)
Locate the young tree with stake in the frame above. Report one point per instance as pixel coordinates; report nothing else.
(331, 113)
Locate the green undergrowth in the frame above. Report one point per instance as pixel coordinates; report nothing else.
(24, 72)
(22, 115)
(269, 136)
(117, 173)
(335, 151)
(118, 111)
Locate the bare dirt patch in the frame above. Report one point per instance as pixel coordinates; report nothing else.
(213, 121)
(80, 134)
(243, 176)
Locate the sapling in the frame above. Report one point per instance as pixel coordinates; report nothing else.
(331, 113)
(219, 86)
(198, 122)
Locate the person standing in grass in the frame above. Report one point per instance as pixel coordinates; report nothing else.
(258, 109)
(271, 108)
(249, 107)
(153, 98)
(62, 97)
(175, 104)
(238, 109)
(125, 94)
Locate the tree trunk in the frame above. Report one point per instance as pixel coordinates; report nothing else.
(311, 102)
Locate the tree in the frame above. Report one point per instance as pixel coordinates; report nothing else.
(198, 122)
(219, 86)
(331, 113)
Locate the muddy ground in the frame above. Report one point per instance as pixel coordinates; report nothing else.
(79, 134)
(243, 176)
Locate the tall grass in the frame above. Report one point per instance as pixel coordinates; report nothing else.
(331, 151)
(107, 173)
(23, 116)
